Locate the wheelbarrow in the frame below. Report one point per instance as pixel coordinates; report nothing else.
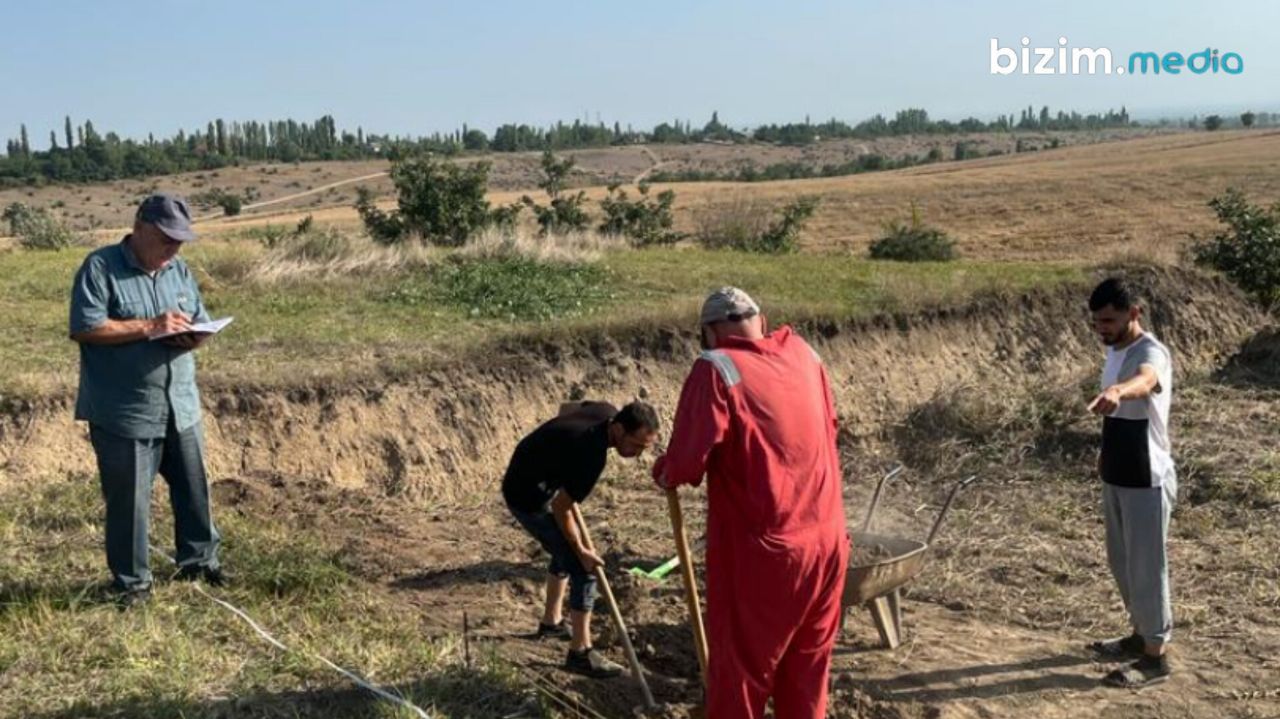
(877, 584)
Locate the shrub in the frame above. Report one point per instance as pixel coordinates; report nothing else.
(442, 203)
(317, 246)
(269, 235)
(645, 221)
(509, 287)
(1248, 249)
(783, 235)
(565, 212)
(230, 202)
(37, 229)
(913, 242)
(732, 225)
(1212, 122)
(747, 226)
(384, 228)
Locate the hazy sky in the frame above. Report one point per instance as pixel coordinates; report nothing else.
(416, 67)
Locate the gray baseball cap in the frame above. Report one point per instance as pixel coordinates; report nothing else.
(169, 213)
(728, 303)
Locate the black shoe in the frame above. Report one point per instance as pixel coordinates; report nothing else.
(591, 663)
(213, 576)
(1130, 647)
(135, 597)
(1147, 671)
(559, 631)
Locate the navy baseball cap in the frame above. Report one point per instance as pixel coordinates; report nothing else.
(169, 213)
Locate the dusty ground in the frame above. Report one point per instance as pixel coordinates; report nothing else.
(1015, 584)
(995, 625)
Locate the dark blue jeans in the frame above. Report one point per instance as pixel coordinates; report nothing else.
(127, 468)
(541, 525)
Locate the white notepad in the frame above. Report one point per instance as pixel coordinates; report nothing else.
(212, 327)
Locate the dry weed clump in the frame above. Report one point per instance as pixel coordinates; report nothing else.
(568, 247)
(1000, 422)
(328, 252)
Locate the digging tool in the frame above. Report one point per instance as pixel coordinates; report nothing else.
(637, 671)
(690, 581)
(660, 572)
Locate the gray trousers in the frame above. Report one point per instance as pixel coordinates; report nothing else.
(127, 468)
(1137, 521)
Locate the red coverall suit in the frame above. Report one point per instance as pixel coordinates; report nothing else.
(757, 417)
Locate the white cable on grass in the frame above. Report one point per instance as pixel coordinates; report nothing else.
(359, 680)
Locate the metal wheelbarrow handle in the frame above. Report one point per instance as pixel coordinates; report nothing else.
(937, 523)
(875, 498)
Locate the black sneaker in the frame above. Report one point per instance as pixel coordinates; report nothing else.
(592, 663)
(213, 576)
(129, 598)
(1147, 671)
(1130, 647)
(559, 631)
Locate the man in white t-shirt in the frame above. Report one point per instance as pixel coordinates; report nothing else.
(1139, 483)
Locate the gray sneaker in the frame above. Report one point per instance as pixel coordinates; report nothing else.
(592, 663)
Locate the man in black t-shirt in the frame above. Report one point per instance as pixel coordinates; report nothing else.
(552, 469)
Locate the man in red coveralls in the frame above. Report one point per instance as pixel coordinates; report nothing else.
(757, 416)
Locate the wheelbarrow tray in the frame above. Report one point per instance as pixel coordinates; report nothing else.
(865, 582)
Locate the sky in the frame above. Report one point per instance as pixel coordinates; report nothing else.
(412, 68)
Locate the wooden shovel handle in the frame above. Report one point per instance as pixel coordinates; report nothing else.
(690, 581)
(637, 671)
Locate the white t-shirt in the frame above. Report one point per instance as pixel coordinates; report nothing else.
(1135, 437)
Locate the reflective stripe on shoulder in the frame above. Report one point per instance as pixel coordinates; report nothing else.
(724, 365)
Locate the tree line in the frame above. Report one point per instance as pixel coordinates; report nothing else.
(82, 154)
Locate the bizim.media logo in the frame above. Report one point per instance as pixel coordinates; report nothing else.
(1064, 60)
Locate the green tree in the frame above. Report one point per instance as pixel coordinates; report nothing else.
(565, 211)
(441, 202)
(67, 132)
(475, 140)
(1247, 119)
(1212, 122)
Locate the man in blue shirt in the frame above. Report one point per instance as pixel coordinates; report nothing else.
(138, 392)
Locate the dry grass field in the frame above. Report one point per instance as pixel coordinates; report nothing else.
(1138, 198)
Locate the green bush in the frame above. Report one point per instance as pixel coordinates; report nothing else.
(645, 221)
(384, 228)
(782, 236)
(230, 202)
(565, 213)
(509, 288)
(37, 229)
(913, 242)
(441, 202)
(747, 226)
(1248, 249)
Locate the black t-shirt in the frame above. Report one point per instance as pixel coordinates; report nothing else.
(567, 452)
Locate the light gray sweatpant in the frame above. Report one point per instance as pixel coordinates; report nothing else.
(1137, 520)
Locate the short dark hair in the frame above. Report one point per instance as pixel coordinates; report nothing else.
(1117, 293)
(637, 415)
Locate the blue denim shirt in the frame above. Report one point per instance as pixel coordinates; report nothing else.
(129, 389)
